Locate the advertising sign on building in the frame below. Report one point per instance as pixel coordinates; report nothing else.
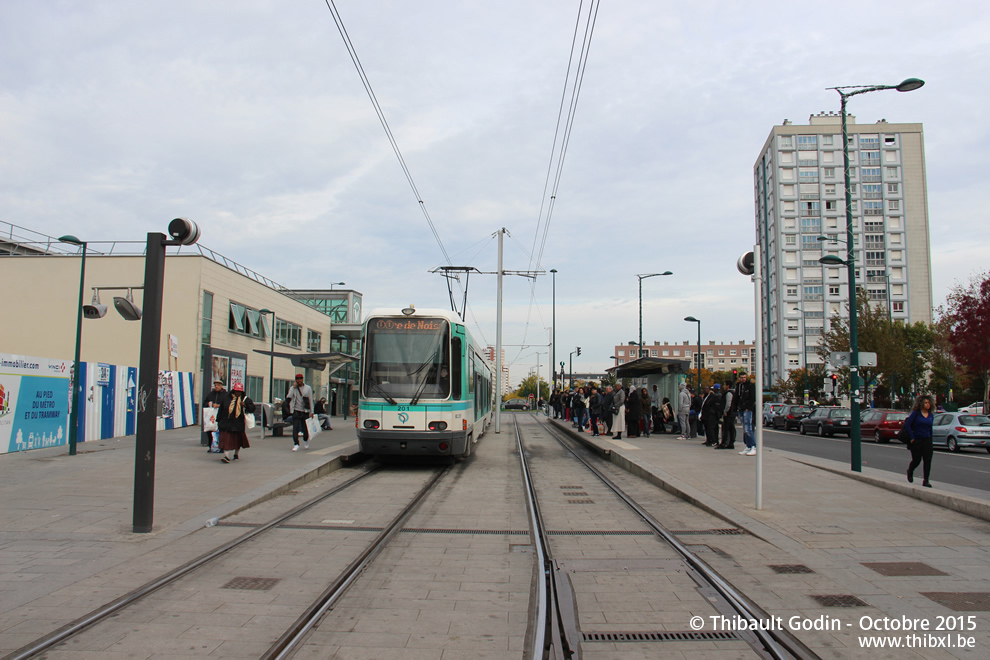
(34, 402)
(238, 367)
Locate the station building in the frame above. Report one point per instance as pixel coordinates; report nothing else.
(213, 315)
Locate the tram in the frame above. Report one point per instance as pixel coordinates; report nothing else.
(425, 389)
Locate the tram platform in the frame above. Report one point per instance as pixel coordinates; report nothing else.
(66, 521)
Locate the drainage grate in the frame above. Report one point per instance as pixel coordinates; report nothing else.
(973, 601)
(664, 636)
(571, 487)
(903, 568)
(833, 600)
(790, 568)
(334, 528)
(578, 493)
(490, 532)
(731, 531)
(598, 532)
(586, 501)
(251, 583)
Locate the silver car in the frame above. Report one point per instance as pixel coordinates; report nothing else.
(958, 430)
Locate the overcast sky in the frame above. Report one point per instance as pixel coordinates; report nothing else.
(250, 118)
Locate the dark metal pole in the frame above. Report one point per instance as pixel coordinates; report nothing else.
(700, 358)
(855, 434)
(147, 398)
(271, 369)
(77, 385)
(640, 315)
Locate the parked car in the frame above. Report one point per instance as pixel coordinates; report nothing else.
(973, 408)
(769, 410)
(956, 431)
(827, 421)
(516, 404)
(790, 416)
(882, 424)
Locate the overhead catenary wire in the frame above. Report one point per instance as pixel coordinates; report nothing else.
(560, 156)
(381, 118)
(577, 61)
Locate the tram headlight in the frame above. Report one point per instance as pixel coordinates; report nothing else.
(438, 426)
(371, 424)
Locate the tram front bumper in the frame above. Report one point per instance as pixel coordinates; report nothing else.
(412, 443)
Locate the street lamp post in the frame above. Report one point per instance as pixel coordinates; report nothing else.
(553, 330)
(641, 278)
(804, 348)
(271, 374)
(691, 319)
(845, 93)
(271, 359)
(347, 371)
(77, 386)
(333, 284)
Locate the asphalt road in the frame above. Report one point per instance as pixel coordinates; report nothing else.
(969, 468)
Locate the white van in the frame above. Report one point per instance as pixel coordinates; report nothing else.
(973, 408)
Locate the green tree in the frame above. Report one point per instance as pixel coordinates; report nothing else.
(895, 344)
(793, 387)
(528, 386)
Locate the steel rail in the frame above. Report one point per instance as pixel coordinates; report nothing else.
(286, 645)
(548, 606)
(778, 644)
(103, 612)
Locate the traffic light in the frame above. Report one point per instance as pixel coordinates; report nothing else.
(734, 374)
(579, 350)
(835, 382)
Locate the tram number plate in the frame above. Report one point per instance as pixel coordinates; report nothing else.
(401, 408)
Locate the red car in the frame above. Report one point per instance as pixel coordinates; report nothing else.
(882, 424)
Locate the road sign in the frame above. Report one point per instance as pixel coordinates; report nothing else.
(844, 359)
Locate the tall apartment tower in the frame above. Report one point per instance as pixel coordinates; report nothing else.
(800, 196)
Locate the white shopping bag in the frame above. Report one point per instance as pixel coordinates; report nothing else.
(210, 419)
(313, 426)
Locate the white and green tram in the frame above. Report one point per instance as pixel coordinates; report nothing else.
(425, 389)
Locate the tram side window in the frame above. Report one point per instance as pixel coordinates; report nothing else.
(456, 364)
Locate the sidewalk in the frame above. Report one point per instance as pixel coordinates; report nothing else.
(67, 518)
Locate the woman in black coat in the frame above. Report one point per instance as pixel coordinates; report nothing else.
(634, 410)
(230, 422)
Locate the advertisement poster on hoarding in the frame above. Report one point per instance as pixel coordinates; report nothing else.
(220, 366)
(237, 369)
(34, 402)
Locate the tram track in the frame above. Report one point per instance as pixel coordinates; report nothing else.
(562, 635)
(291, 637)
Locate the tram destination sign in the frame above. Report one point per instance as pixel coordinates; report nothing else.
(409, 325)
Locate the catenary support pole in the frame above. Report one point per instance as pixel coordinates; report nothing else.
(498, 339)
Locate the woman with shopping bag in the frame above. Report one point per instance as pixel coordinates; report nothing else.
(233, 420)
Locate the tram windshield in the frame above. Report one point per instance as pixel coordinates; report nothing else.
(407, 358)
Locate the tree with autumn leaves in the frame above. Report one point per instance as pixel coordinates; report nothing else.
(904, 351)
(953, 353)
(967, 320)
